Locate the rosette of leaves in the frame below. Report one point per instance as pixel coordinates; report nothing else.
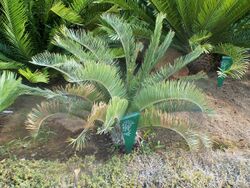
(111, 92)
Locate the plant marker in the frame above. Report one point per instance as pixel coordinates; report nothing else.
(225, 64)
(129, 126)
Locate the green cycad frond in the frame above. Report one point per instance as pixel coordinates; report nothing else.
(134, 6)
(96, 45)
(198, 76)
(87, 92)
(66, 13)
(98, 73)
(194, 140)
(62, 63)
(125, 34)
(78, 6)
(177, 91)
(34, 77)
(73, 47)
(156, 50)
(201, 39)
(116, 109)
(7, 52)
(187, 18)
(41, 113)
(38, 116)
(10, 89)
(173, 17)
(10, 65)
(14, 23)
(98, 113)
(141, 29)
(104, 75)
(240, 58)
(170, 69)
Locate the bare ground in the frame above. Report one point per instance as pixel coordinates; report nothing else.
(229, 126)
(230, 123)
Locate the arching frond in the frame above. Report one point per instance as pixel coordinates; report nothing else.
(156, 50)
(98, 73)
(125, 34)
(62, 63)
(11, 87)
(187, 18)
(34, 77)
(96, 45)
(14, 23)
(194, 140)
(173, 17)
(79, 6)
(73, 47)
(85, 91)
(39, 115)
(102, 74)
(177, 91)
(170, 69)
(134, 6)
(98, 113)
(116, 109)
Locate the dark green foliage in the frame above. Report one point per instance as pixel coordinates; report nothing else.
(27, 27)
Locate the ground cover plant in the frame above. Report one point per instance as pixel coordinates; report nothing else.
(170, 169)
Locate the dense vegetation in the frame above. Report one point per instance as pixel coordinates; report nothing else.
(105, 55)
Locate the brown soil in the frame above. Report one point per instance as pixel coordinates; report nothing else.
(229, 126)
(53, 145)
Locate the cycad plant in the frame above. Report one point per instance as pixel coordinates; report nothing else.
(110, 93)
(27, 28)
(11, 88)
(225, 24)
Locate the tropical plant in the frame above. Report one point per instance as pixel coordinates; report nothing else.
(110, 93)
(28, 26)
(224, 23)
(85, 13)
(11, 87)
(25, 31)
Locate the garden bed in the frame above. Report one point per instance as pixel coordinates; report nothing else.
(229, 127)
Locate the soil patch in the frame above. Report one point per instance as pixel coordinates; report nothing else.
(230, 123)
(229, 127)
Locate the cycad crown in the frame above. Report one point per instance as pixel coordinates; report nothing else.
(91, 63)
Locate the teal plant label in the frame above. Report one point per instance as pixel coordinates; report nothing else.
(226, 63)
(129, 126)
